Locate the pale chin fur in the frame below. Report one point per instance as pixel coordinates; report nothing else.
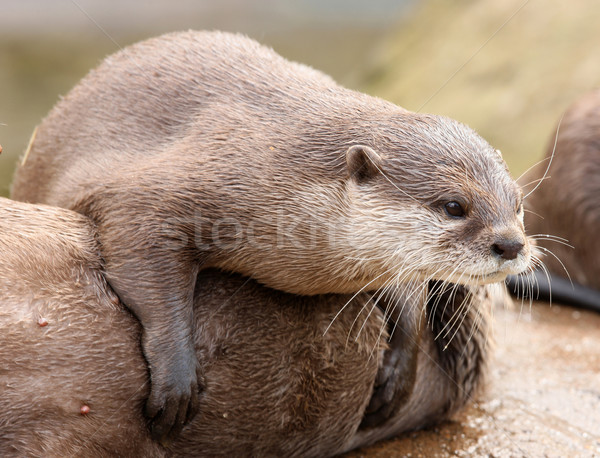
(494, 274)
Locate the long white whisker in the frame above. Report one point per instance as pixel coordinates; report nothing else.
(551, 238)
(546, 250)
(533, 213)
(538, 181)
(351, 299)
(531, 167)
(551, 157)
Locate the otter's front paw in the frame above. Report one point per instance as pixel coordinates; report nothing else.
(395, 379)
(173, 400)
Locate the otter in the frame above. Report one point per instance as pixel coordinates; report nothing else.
(74, 378)
(564, 210)
(199, 150)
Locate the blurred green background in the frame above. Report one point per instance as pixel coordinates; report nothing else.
(507, 68)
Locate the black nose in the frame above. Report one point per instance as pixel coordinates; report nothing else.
(507, 249)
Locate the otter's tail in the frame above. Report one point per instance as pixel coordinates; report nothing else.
(558, 289)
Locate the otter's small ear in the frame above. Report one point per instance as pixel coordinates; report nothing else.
(363, 162)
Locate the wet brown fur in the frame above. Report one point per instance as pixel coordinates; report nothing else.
(567, 202)
(275, 383)
(179, 136)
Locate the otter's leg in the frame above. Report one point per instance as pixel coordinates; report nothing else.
(396, 376)
(152, 266)
(161, 299)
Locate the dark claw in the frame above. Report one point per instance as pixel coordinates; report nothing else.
(174, 398)
(168, 421)
(396, 376)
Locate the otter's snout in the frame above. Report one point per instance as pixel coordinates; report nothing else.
(508, 249)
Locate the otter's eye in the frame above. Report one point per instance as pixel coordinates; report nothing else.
(455, 209)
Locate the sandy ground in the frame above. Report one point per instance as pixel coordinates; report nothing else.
(543, 397)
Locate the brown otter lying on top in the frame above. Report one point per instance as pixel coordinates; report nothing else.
(73, 377)
(205, 149)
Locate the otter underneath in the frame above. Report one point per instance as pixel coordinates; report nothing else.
(74, 381)
(205, 149)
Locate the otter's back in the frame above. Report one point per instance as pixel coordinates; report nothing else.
(145, 97)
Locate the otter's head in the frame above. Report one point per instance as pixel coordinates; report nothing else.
(439, 200)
